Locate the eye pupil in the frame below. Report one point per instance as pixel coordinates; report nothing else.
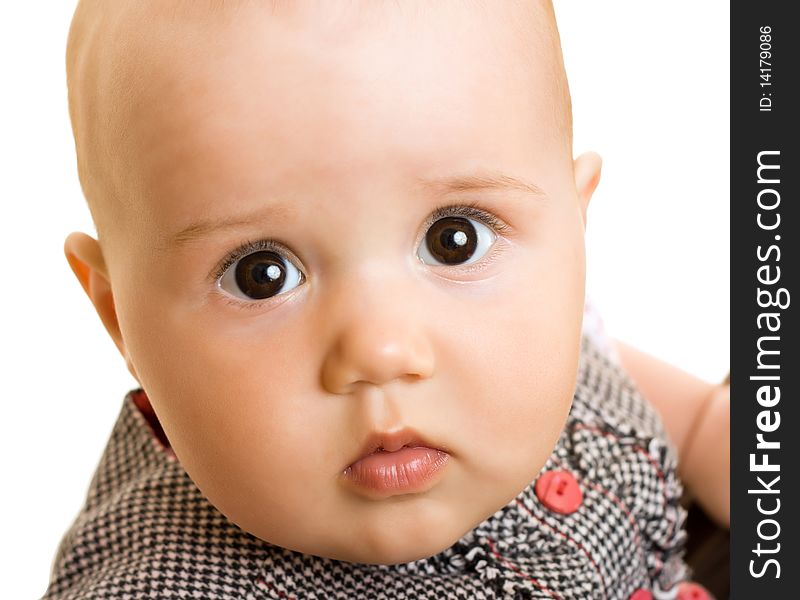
(260, 275)
(460, 238)
(265, 274)
(452, 240)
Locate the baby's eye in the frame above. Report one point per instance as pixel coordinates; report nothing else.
(260, 275)
(455, 241)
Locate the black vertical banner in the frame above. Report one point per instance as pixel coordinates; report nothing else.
(765, 258)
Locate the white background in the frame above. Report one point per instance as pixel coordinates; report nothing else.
(650, 93)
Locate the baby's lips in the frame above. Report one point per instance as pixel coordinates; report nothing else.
(405, 471)
(392, 441)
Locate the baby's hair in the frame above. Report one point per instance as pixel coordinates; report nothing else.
(103, 76)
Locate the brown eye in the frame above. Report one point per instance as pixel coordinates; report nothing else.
(455, 241)
(260, 275)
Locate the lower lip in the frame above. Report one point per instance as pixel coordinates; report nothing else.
(405, 471)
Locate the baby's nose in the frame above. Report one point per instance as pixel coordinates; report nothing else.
(377, 340)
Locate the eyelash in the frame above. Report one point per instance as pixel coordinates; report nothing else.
(472, 210)
(247, 248)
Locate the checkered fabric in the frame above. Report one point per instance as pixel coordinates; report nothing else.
(146, 531)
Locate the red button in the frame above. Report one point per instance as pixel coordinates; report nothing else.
(559, 491)
(692, 591)
(641, 594)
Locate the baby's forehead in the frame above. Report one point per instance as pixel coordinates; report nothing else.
(162, 32)
(152, 69)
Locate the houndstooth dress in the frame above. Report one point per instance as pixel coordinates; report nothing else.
(146, 530)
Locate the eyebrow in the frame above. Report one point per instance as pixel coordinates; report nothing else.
(206, 227)
(441, 186)
(486, 181)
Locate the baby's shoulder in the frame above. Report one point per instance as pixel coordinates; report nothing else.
(146, 531)
(606, 397)
(615, 453)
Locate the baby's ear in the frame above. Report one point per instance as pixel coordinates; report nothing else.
(86, 259)
(587, 175)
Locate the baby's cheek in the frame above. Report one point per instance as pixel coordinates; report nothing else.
(534, 386)
(516, 426)
(221, 406)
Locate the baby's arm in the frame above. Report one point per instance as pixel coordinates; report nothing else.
(697, 417)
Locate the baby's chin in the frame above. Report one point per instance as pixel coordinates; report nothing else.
(398, 545)
(407, 535)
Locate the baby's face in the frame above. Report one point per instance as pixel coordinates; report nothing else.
(328, 244)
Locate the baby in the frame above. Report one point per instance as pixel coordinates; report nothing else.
(340, 247)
